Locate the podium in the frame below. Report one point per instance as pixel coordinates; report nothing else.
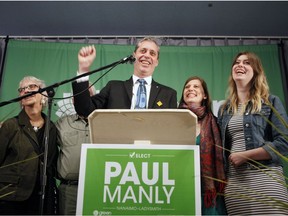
(153, 126)
(140, 162)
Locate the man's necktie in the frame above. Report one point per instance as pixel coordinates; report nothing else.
(141, 95)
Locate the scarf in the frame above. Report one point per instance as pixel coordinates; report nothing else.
(211, 155)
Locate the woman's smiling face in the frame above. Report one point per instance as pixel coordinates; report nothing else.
(242, 71)
(193, 94)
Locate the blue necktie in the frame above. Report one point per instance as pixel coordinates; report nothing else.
(141, 95)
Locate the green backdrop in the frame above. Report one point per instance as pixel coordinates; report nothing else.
(54, 62)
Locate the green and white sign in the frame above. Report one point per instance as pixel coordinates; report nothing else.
(118, 179)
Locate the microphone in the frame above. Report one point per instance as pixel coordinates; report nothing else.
(129, 59)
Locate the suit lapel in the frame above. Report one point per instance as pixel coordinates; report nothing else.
(128, 87)
(155, 88)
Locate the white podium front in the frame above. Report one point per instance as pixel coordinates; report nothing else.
(154, 126)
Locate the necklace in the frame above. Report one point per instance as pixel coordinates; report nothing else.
(35, 128)
(39, 123)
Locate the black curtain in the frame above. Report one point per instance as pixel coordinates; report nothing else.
(3, 46)
(283, 54)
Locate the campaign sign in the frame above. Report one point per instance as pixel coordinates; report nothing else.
(127, 179)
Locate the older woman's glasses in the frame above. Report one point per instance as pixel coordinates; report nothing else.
(30, 87)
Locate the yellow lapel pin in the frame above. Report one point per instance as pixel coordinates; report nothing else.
(159, 103)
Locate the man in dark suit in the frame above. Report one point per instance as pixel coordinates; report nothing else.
(122, 94)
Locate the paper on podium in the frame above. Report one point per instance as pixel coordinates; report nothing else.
(153, 126)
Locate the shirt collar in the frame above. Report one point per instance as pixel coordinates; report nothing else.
(76, 117)
(147, 79)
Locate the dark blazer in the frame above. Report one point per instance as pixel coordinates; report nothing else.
(118, 95)
(16, 146)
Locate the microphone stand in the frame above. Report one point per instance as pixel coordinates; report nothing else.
(50, 91)
(51, 94)
(130, 59)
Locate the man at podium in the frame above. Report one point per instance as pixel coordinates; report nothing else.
(125, 94)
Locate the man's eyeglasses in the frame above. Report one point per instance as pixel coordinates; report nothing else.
(30, 87)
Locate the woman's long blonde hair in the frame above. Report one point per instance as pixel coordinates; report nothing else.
(259, 89)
